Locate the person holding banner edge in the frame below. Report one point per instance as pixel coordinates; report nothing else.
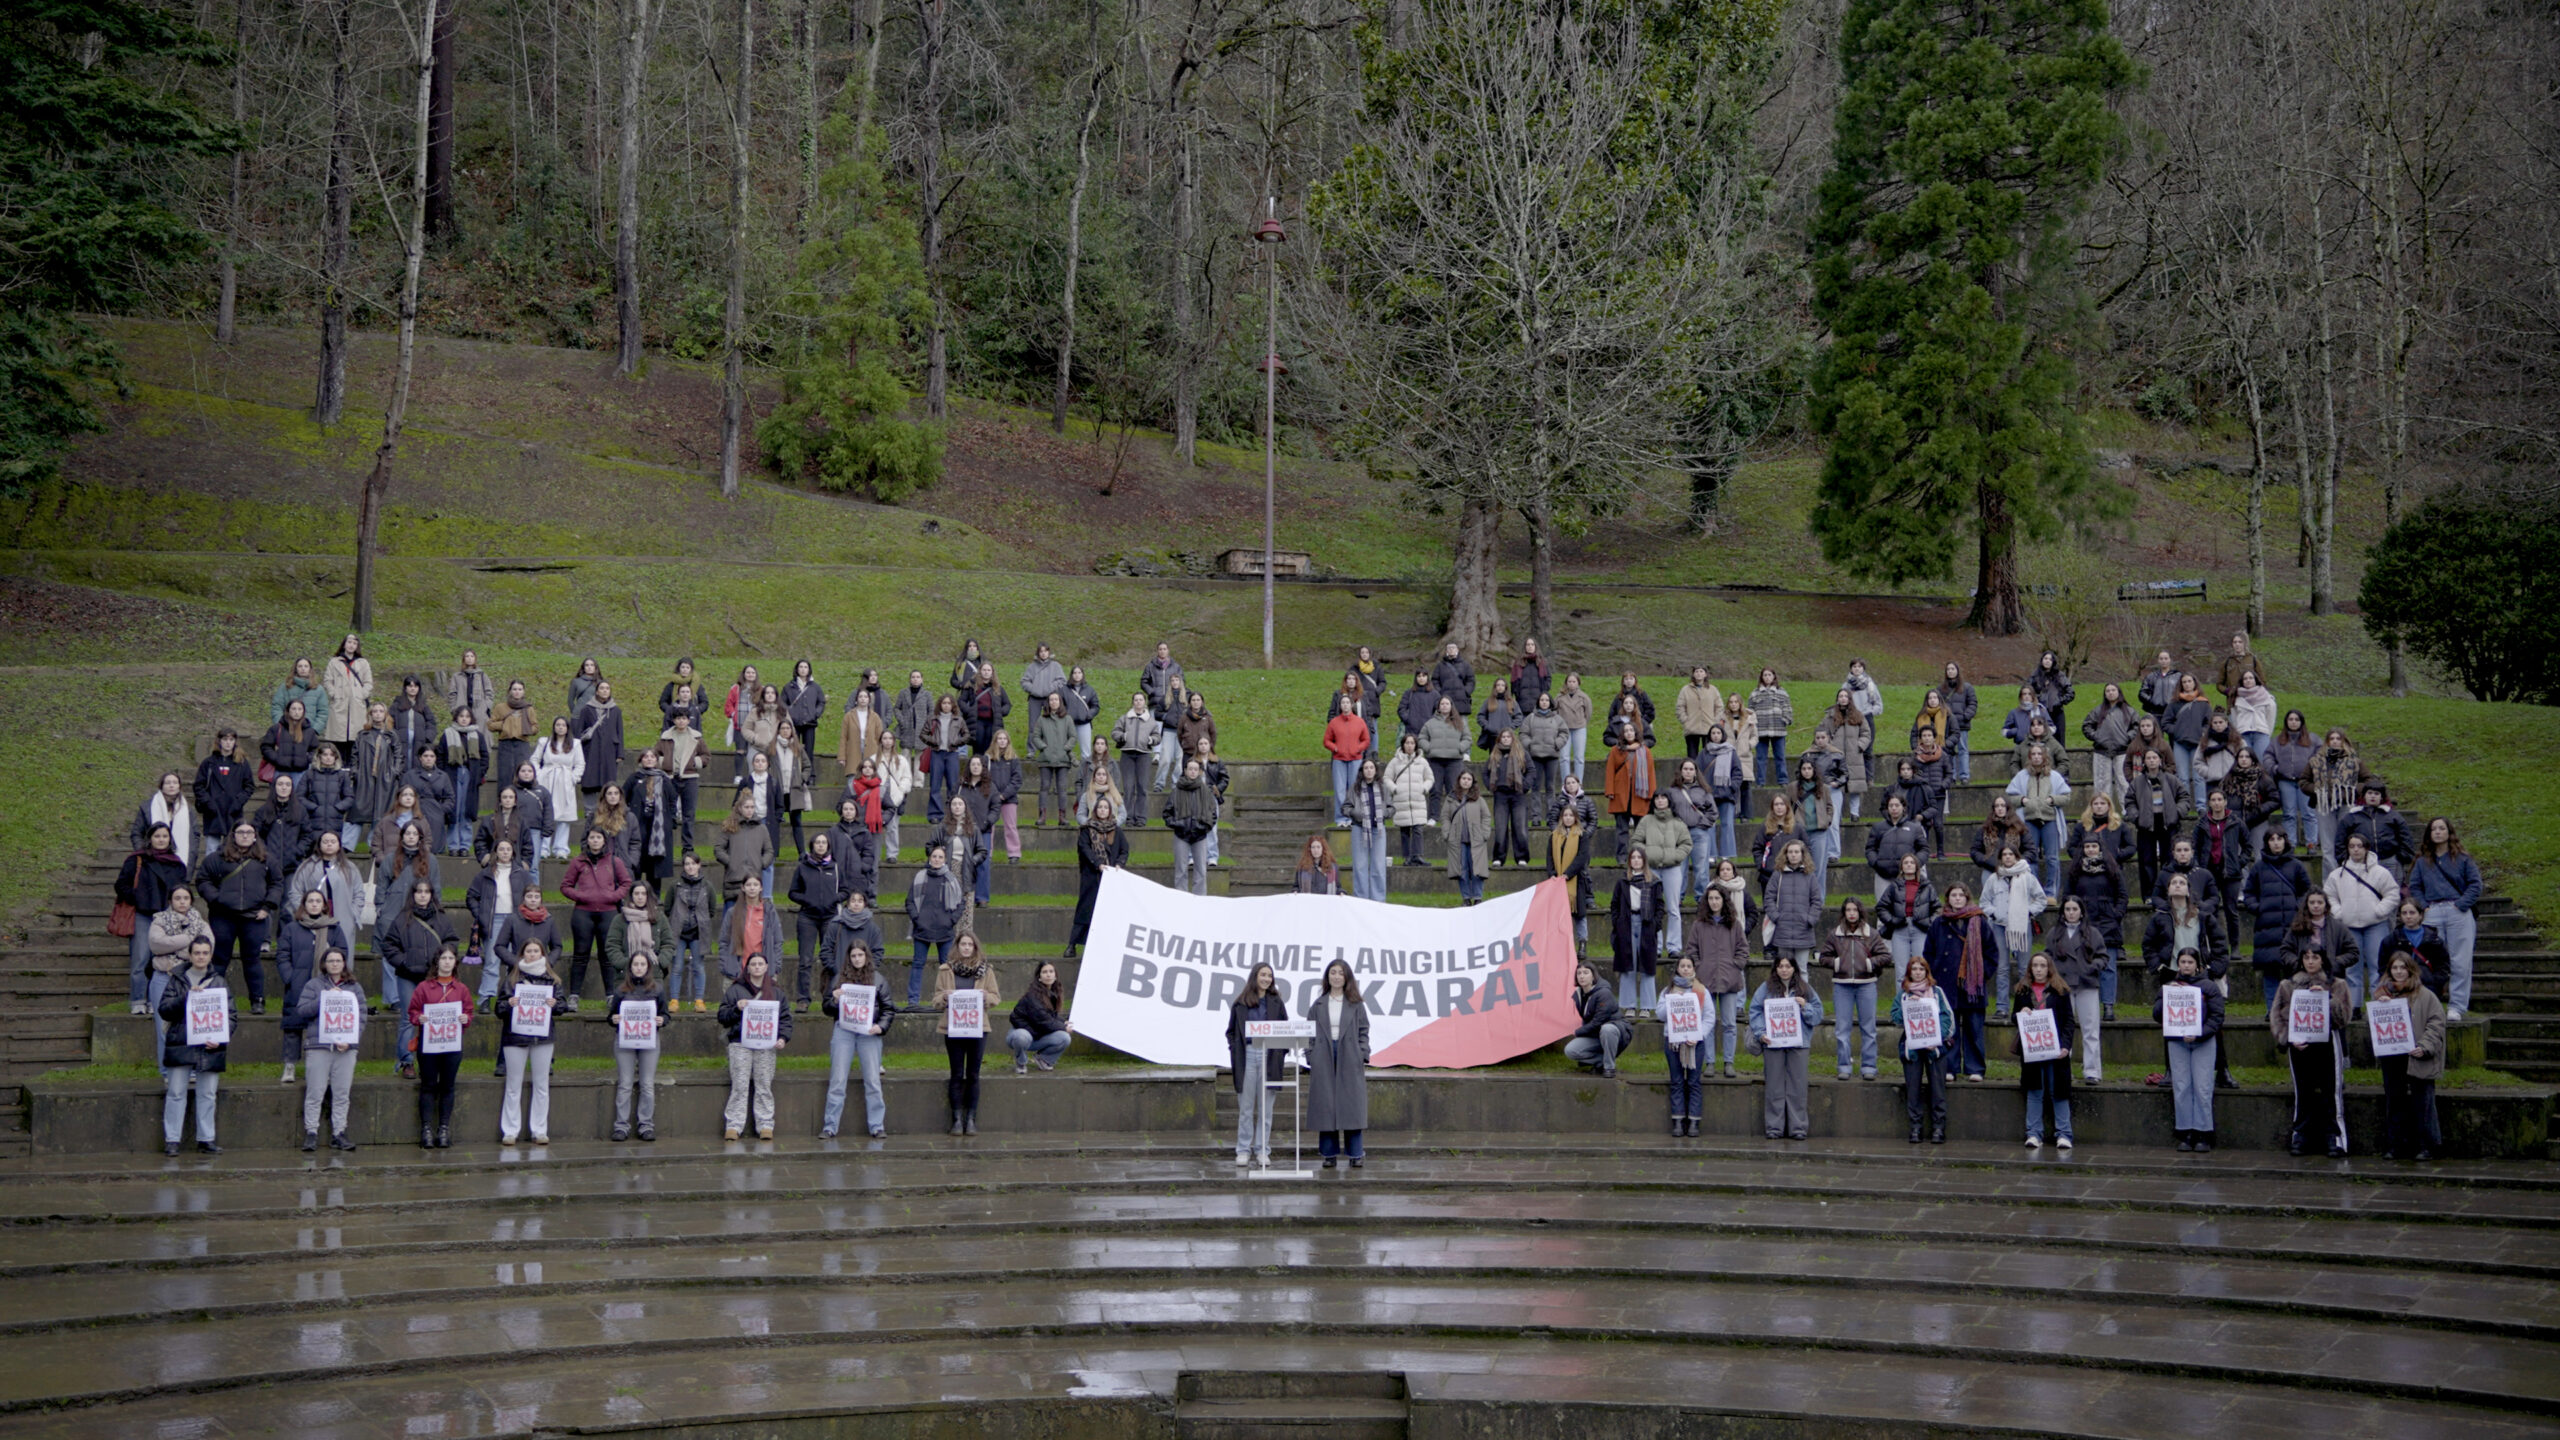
(2313, 1037)
(186, 1068)
(1338, 1069)
(2047, 1081)
(1926, 1020)
(330, 1057)
(1784, 1014)
(2409, 1130)
(1260, 999)
(2189, 1007)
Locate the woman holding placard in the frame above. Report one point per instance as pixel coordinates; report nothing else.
(859, 1005)
(1926, 1020)
(1784, 1014)
(524, 1010)
(1338, 1068)
(439, 1012)
(964, 990)
(1717, 945)
(639, 1016)
(2405, 1013)
(1856, 956)
(330, 1011)
(1685, 1008)
(2189, 1008)
(758, 1025)
(2044, 1048)
(196, 1008)
(2309, 1019)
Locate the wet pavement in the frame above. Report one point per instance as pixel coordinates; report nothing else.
(400, 1292)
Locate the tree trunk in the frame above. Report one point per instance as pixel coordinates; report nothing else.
(1075, 255)
(805, 24)
(2325, 506)
(377, 485)
(867, 15)
(440, 129)
(1475, 609)
(2257, 618)
(937, 359)
(1186, 359)
(1708, 475)
(626, 238)
(1997, 608)
(733, 325)
(1542, 572)
(337, 224)
(226, 310)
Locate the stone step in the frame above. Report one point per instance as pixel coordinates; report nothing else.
(76, 1114)
(1284, 1419)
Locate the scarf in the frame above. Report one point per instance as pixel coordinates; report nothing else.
(638, 936)
(2018, 916)
(1639, 770)
(1929, 749)
(866, 794)
(1720, 765)
(1563, 845)
(1969, 974)
(532, 911)
(180, 818)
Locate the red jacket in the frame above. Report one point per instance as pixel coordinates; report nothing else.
(432, 991)
(597, 886)
(1346, 737)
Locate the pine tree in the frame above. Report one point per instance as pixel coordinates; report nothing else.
(843, 420)
(1967, 136)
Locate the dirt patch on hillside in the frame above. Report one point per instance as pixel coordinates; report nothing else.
(43, 622)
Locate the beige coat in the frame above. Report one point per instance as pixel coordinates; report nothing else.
(348, 688)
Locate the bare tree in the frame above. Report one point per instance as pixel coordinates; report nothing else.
(413, 237)
(733, 325)
(337, 224)
(626, 239)
(1075, 250)
(440, 124)
(226, 308)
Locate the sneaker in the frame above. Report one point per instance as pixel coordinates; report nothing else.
(1843, 1075)
(729, 1134)
(1243, 1157)
(1021, 1065)
(141, 1008)
(698, 1006)
(2035, 1142)
(2452, 1014)
(1045, 1063)
(765, 1134)
(827, 1134)
(541, 1139)
(288, 1074)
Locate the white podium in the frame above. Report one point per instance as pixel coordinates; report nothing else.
(1260, 1038)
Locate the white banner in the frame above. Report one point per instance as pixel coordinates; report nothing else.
(1444, 988)
(2307, 1021)
(2392, 1031)
(2182, 1012)
(341, 1017)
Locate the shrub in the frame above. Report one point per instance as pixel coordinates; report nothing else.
(2467, 582)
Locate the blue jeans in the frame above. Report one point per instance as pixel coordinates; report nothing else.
(690, 973)
(1048, 1047)
(1348, 1144)
(2361, 974)
(1965, 1056)
(1825, 848)
(2259, 743)
(1688, 1082)
(2297, 812)
(2036, 1093)
(2046, 836)
(941, 777)
(843, 1049)
(915, 973)
(1344, 773)
(983, 870)
(1573, 751)
(2186, 758)
(2461, 932)
(2107, 977)
(138, 970)
(1905, 942)
(1604, 1050)
(395, 995)
(1702, 859)
(1769, 759)
(1728, 1029)
(1369, 862)
(1854, 1007)
(2191, 1082)
(1470, 884)
(1960, 753)
(1253, 1108)
(1635, 988)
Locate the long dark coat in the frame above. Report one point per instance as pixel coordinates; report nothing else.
(1337, 1065)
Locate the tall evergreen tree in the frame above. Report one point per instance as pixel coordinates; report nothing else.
(83, 226)
(1968, 134)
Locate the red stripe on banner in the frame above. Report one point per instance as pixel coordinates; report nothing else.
(1524, 1004)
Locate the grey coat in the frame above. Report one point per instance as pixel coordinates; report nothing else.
(1337, 1082)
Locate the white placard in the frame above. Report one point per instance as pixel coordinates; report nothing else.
(1920, 1028)
(1280, 1029)
(2307, 1019)
(2393, 1033)
(2039, 1036)
(2182, 1012)
(1782, 1022)
(441, 1028)
(968, 1014)
(1683, 1018)
(209, 1016)
(636, 1025)
(854, 1004)
(532, 1016)
(760, 1024)
(341, 1017)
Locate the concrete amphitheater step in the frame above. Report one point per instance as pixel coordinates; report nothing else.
(372, 1296)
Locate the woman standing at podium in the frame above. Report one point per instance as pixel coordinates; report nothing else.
(1260, 1000)
(1337, 1068)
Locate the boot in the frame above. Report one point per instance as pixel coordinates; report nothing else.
(969, 1121)
(1915, 1134)
(955, 1120)
(1937, 1134)
(1679, 1124)
(1693, 1126)
(340, 1141)
(310, 1141)
(444, 1137)
(426, 1136)
(2204, 1142)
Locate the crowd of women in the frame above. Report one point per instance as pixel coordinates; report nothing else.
(1726, 849)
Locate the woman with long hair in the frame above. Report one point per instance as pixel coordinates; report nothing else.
(2445, 881)
(2047, 1083)
(751, 1067)
(331, 1063)
(1338, 1068)
(1317, 874)
(642, 1002)
(1260, 999)
(1786, 1112)
(967, 969)
(1924, 1068)
(442, 985)
(558, 762)
(850, 1043)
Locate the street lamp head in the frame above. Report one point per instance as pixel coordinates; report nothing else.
(1269, 231)
(1272, 363)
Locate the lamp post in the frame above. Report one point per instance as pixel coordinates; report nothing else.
(1270, 235)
